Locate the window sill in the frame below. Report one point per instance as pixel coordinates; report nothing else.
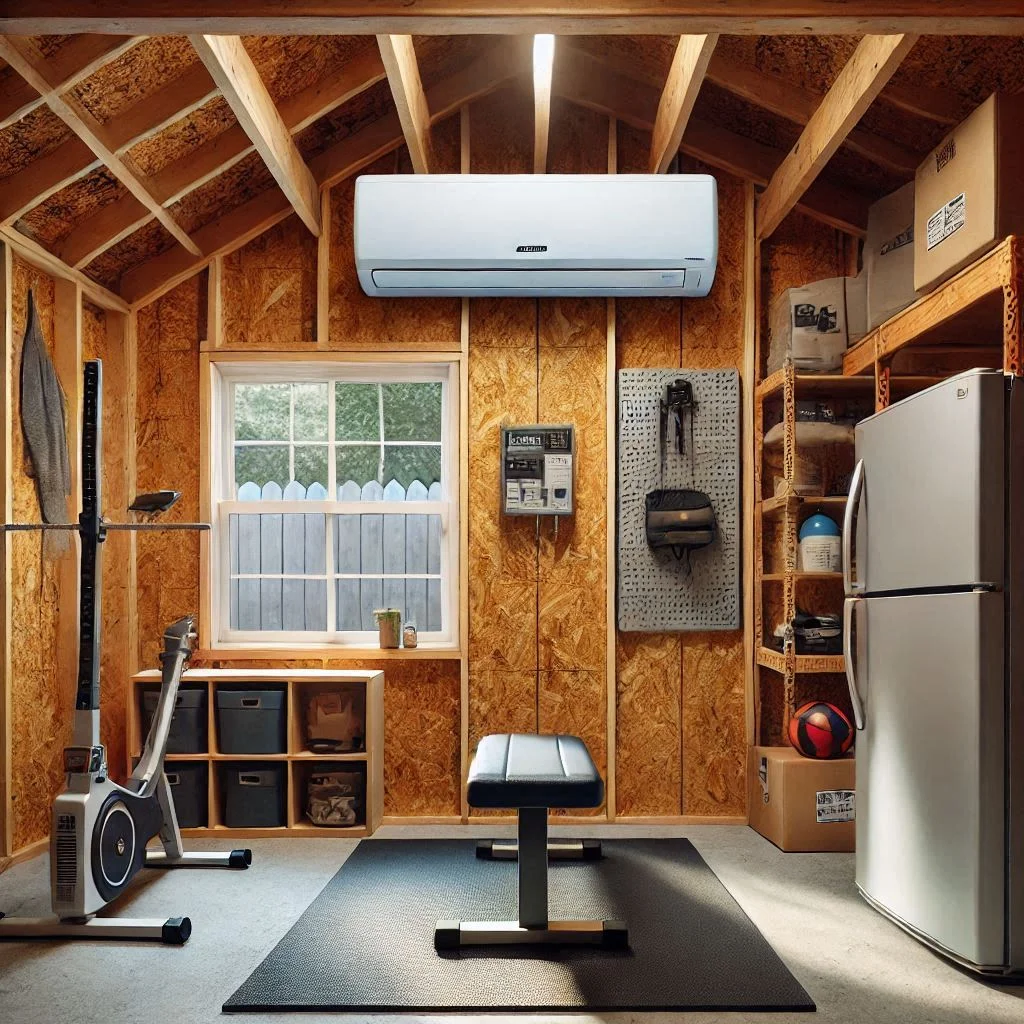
(246, 652)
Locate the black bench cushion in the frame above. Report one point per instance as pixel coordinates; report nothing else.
(525, 770)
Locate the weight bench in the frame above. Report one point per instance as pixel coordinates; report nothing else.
(532, 773)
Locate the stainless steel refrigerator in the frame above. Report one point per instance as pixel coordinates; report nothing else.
(933, 565)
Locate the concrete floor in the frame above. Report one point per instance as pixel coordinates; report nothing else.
(856, 965)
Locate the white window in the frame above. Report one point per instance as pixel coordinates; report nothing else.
(335, 489)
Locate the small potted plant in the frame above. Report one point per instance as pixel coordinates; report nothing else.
(389, 626)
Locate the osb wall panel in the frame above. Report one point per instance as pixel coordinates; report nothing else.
(358, 321)
(42, 703)
(268, 290)
(680, 743)
(115, 626)
(421, 738)
(167, 430)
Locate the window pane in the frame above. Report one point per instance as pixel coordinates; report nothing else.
(357, 463)
(310, 412)
(294, 543)
(311, 464)
(412, 412)
(261, 412)
(356, 412)
(259, 464)
(408, 463)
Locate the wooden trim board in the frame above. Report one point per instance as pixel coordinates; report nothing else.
(460, 17)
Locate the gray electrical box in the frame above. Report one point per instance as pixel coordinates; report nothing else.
(537, 470)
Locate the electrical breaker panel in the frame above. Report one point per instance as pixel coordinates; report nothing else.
(537, 470)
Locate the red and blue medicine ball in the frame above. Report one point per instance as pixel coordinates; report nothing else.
(820, 730)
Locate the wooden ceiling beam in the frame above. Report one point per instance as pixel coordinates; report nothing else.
(543, 68)
(689, 65)
(35, 254)
(403, 73)
(862, 78)
(779, 96)
(567, 17)
(84, 243)
(43, 177)
(101, 230)
(299, 111)
(500, 64)
(590, 82)
(232, 69)
(18, 100)
(89, 130)
(159, 109)
(76, 60)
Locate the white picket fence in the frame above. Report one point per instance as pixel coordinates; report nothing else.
(369, 551)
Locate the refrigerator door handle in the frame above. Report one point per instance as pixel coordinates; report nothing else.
(848, 661)
(850, 585)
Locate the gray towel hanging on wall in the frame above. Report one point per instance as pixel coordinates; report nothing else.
(43, 422)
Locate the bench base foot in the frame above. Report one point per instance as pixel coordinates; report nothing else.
(558, 849)
(462, 934)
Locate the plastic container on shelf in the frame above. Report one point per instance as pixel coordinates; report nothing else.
(820, 545)
(188, 723)
(188, 781)
(251, 721)
(253, 794)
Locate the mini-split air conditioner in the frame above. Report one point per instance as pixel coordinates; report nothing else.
(536, 234)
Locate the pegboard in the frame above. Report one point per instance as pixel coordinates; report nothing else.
(656, 592)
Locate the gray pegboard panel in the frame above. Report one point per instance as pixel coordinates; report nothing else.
(655, 592)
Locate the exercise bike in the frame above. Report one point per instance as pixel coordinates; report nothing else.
(99, 830)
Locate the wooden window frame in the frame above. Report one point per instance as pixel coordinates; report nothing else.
(221, 370)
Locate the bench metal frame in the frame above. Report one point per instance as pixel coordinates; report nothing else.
(533, 925)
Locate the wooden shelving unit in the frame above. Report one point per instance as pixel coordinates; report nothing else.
(299, 761)
(973, 319)
(780, 586)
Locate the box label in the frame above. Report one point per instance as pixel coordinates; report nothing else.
(946, 220)
(835, 805)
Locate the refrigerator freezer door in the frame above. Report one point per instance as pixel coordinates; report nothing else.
(930, 767)
(932, 510)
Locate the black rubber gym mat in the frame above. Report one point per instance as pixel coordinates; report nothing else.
(366, 942)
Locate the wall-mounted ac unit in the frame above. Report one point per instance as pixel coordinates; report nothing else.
(536, 234)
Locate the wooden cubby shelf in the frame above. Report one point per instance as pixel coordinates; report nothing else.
(297, 760)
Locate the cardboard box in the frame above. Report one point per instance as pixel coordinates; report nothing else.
(968, 192)
(889, 255)
(799, 803)
(814, 324)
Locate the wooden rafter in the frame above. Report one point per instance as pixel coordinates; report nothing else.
(117, 220)
(791, 101)
(232, 69)
(75, 61)
(589, 81)
(860, 81)
(403, 72)
(499, 65)
(543, 67)
(19, 55)
(72, 159)
(689, 64)
(460, 17)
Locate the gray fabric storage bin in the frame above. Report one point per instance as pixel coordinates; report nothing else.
(253, 794)
(188, 790)
(251, 721)
(188, 723)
